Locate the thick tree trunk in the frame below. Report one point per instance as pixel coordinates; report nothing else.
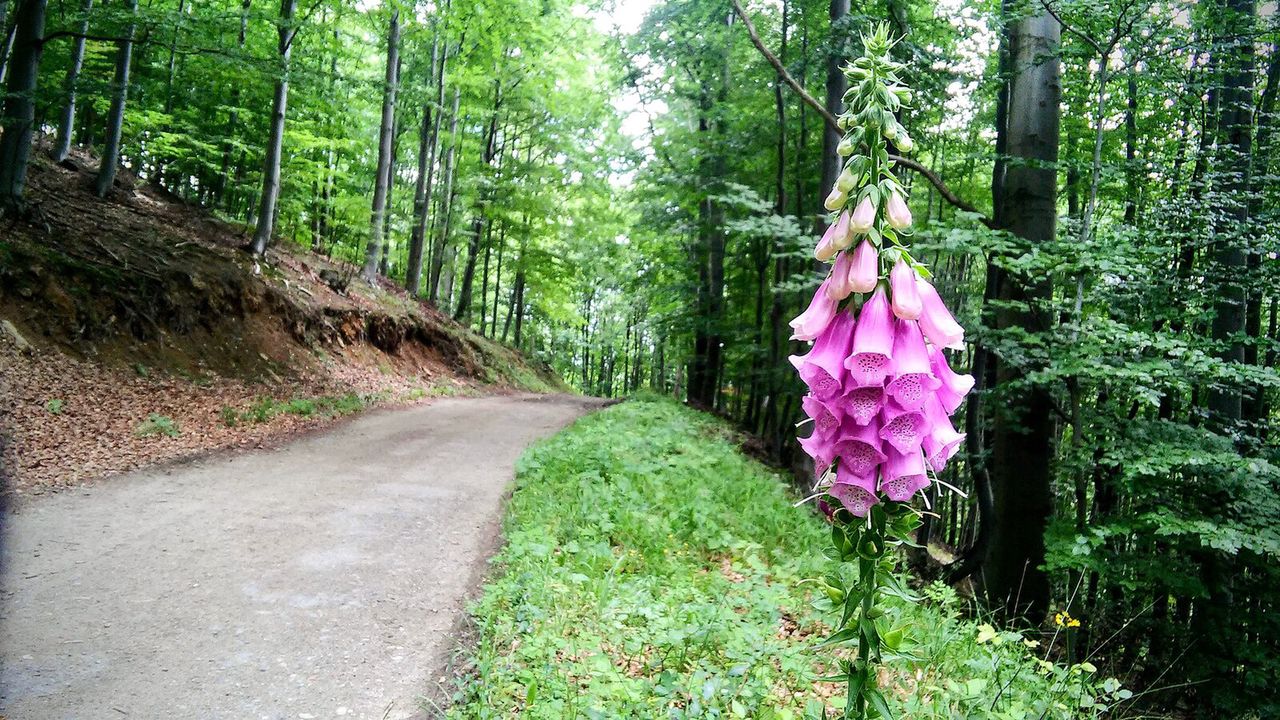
(1022, 454)
(275, 141)
(119, 97)
(66, 121)
(385, 136)
(19, 104)
(836, 87)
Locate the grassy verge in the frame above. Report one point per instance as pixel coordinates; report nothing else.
(652, 571)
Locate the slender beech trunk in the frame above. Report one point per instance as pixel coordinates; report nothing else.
(836, 87)
(1021, 464)
(228, 145)
(66, 121)
(19, 113)
(450, 169)
(385, 133)
(275, 141)
(428, 144)
(463, 310)
(119, 97)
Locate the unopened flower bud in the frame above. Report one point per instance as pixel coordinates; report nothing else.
(904, 143)
(896, 211)
(845, 148)
(836, 199)
(863, 216)
(846, 181)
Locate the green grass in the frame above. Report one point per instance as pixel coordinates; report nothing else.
(157, 424)
(652, 571)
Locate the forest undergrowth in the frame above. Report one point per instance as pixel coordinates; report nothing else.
(652, 570)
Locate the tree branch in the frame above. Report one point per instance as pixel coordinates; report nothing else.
(946, 192)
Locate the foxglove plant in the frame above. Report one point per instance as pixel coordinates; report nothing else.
(880, 389)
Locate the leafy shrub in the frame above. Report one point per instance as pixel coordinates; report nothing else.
(157, 424)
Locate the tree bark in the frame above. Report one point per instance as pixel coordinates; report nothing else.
(1022, 436)
(428, 144)
(463, 310)
(385, 135)
(119, 97)
(19, 104)
(450, 169)
(66, 121)
(275, 141)
(836, 87)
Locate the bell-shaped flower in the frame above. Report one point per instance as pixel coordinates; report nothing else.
(906, 297)
(822, 449)
(863, 403)
(864, 268)
(913, 380)
(872, 342)
(826, 415)
(863, 217)
(840, 286)
(903, 429)
(836, 199)
(859, 449)
(822, 368)
(896, 211)
(904, 474)
(952, 387)
(943, 441)
(856, 499)
(810, 323)
(936, 321)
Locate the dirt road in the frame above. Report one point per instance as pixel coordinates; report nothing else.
(324, 579)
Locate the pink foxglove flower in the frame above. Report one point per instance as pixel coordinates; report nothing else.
(859, 450)
(823, 451)
(840, 286)
(913, 380)
(903, 475)
(822, 368)
(952, 387)
(826, 415)
(864, 215)
(942, 442)
(872, 342)
(864, 271)
(810, 323)
(896, 211)
(863, 403)
(936, 321)
(835, 239)
(855, 498)
(906, 297)
(903, 429)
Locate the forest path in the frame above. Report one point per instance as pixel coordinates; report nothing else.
(323, 579)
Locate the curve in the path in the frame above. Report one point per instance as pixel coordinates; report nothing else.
(320, 580)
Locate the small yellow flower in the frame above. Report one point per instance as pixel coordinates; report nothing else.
(1064, 619)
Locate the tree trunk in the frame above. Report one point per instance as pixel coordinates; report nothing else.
(385, 135)
(428, 144)
(19, 104)
(120, 96)
(450, 169)
(275, 141)
(1022, 435)
(220, 187)
(66, 122)
(463, 310)
(836, 87)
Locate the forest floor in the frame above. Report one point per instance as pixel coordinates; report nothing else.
(323, 579)
(136, 330)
